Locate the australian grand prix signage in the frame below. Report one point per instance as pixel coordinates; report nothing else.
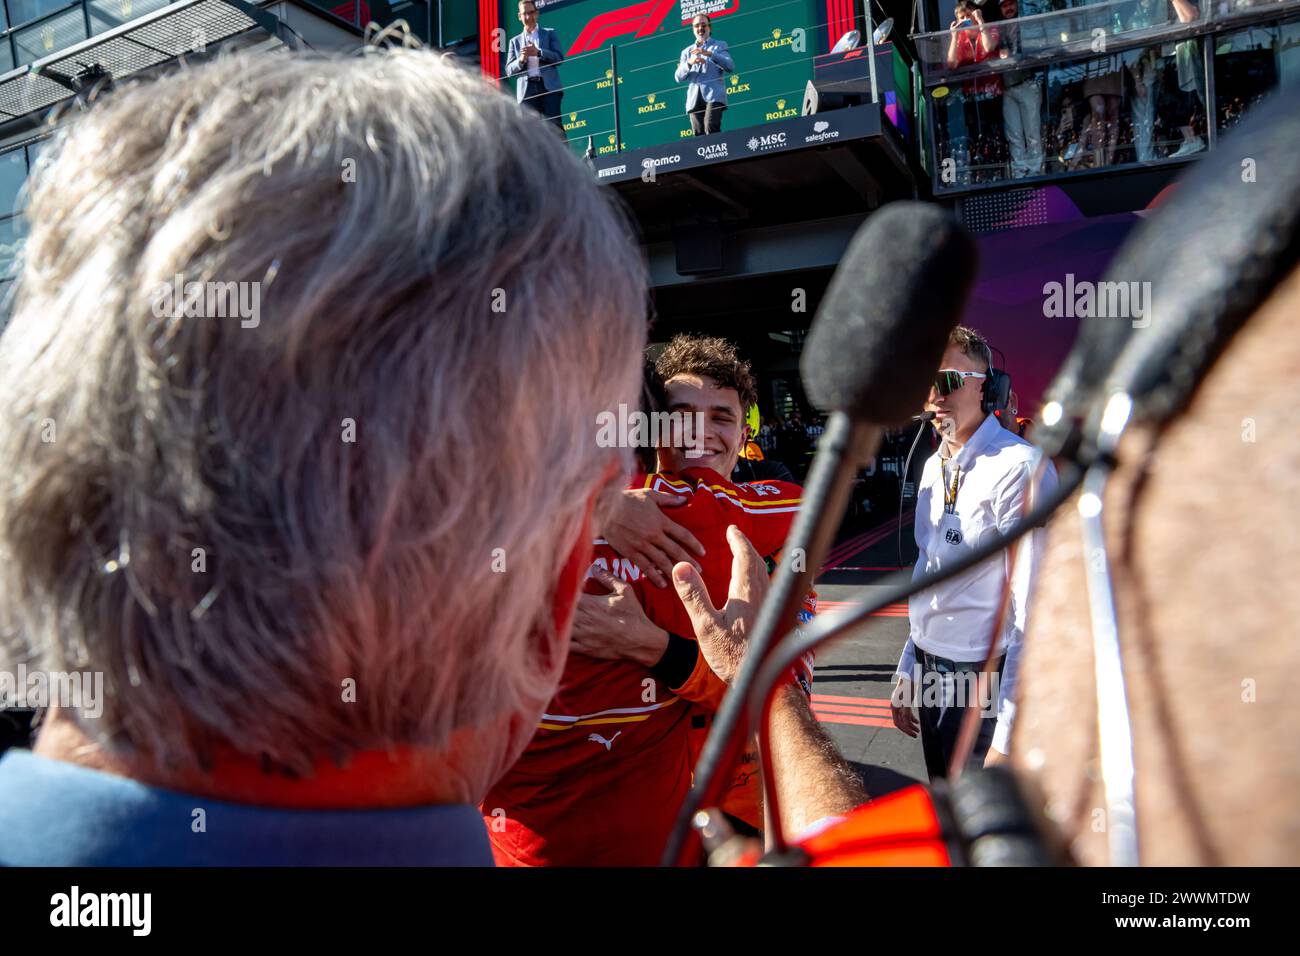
(771, 41)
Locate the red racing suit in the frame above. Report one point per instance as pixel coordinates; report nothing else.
(601, 781)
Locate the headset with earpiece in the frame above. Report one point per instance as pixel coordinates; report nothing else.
(995, 396)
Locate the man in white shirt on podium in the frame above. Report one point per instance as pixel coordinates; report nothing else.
(702, 65)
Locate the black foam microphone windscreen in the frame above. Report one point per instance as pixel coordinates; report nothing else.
(880, 332)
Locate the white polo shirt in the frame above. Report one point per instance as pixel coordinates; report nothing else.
(954, 619)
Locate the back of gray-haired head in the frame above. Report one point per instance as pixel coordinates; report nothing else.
(372, 479)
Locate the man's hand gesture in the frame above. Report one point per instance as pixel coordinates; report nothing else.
(723, 634)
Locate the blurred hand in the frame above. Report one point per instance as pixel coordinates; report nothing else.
(900, 706)
(614, 626)
(639, 530)
(723, 634)
(995, 757)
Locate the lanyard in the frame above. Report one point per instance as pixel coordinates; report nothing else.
(949, 488)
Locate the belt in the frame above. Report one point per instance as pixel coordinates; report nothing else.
(945, 666)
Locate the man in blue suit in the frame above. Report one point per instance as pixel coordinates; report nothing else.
(532, 58)
(702, 65)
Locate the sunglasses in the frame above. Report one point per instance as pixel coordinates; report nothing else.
(949, 380)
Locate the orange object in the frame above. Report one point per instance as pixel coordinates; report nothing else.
(901, 829)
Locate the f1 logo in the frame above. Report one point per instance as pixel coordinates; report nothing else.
(640, 19)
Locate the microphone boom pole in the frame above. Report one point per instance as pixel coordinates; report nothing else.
(844, 447)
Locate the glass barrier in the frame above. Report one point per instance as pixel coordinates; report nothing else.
(107, 15)
(59, 25)
(44, 37)
(1143, 105)
(16, 164)
(1251, 63)
(21, 11)
(1010, 116)
(982, 39)
(12, 232)
(13, 173)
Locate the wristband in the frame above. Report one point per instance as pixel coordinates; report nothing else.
(800, 677)
(678, 661)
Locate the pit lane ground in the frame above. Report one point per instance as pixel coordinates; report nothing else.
(854, 675)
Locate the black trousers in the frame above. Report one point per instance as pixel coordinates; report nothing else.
(948, 690)
(548, 104)
(706, 118)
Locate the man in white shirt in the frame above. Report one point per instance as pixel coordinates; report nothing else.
(974, 486)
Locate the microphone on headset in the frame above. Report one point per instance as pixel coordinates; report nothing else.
(870, 359)
(928, 419)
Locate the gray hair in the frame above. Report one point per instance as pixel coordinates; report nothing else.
(199, 528)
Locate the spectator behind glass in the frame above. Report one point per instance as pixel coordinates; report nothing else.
(970, 41)
(1144, 68)
(1103, 88)
(314, 578)
(1022, 102)
(1191, 79)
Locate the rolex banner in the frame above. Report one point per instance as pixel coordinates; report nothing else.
(771, 41)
